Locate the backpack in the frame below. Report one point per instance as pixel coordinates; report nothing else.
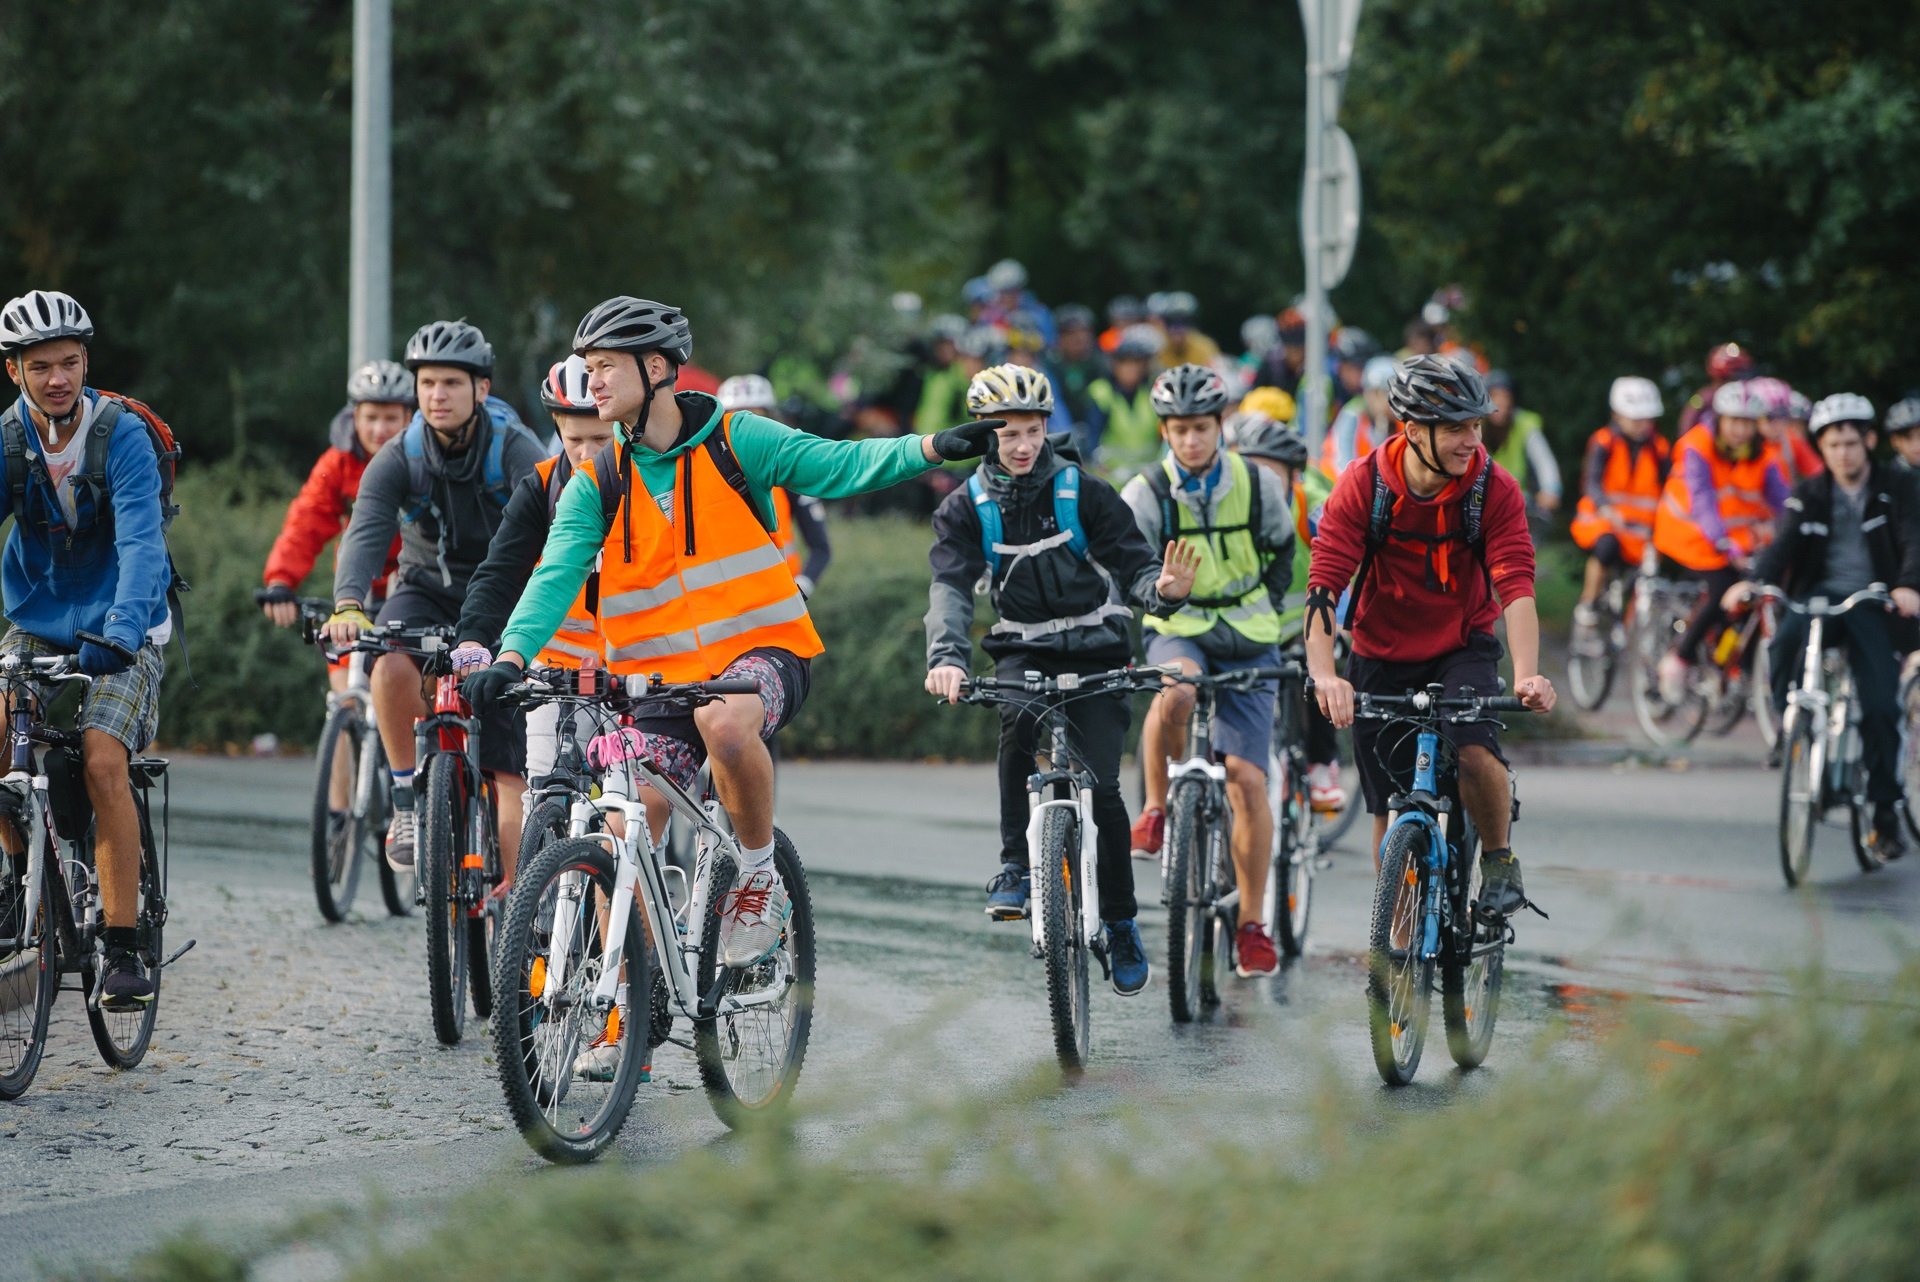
(493, 470)
(1162, 486)
(1379, 527)
(1066, 517)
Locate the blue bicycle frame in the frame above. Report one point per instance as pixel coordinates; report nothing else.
(1425, 807)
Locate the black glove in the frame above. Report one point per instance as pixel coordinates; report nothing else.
(487, 685)
(274, 594)
(967, 441)
(98, 660)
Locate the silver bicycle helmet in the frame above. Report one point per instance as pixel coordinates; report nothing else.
(454, 343)
(1433, 389)
(1189, 390)
(637, 325)
(383, 382)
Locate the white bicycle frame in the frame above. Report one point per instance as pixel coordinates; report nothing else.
(1081, 803)
(676, 937)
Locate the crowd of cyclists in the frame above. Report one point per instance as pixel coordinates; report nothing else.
(1076, 473)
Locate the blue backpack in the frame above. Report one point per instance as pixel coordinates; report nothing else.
(1066, 517)
(493, 469)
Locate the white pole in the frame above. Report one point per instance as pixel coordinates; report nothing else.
(1321, 19)
(370, 268)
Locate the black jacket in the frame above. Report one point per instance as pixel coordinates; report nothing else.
(1797, 559)
(501, 579)
(1120, 570)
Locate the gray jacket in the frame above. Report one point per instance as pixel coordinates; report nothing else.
(432, 558)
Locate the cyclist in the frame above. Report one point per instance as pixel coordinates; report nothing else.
(1427, 594)
(1279, 449)
(1062, 598)
(797, 517)
(1363, 422)
(691, 586)
(1858, 523)
(1240, 519)
(1124, 311)
(1903, 429)
(1178, 313)
(1125, 430)
(1626, 464)
(1518, 442)
(1726, 363)
(1076, 361)
(85, 559)
(1785, 434)
(1717, 508)
(443, 485)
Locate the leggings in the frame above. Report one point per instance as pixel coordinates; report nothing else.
(1707, 614)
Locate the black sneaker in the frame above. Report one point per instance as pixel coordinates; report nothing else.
(1501, 892)
(127, 986)
(1889, 837)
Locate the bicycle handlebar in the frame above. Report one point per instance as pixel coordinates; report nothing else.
(552, 685)
(1876, 593)
(318, 609)
(1456, 708)
(1144, 677)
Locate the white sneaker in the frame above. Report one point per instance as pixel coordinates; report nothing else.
(1586, 616)
(1673, 680)
(753, 917)
(400, 842)
(598, 1063)
(1324, 792)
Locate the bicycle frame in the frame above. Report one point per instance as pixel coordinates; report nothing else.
(1064, 771)
(1424, 807)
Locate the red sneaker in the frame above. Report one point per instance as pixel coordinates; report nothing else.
(1148, 831)
(1255, 952)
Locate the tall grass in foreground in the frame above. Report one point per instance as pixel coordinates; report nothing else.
(1778, 1146)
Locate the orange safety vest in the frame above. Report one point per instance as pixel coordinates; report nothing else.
(783, 530)
(1742, 489)
(1362, 446)
(700, 590)
(579, 637)
(1630, 487)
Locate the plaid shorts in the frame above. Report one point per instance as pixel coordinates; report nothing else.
(125, 705)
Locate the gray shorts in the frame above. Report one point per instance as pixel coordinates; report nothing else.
(125, 705)
(1242, 719)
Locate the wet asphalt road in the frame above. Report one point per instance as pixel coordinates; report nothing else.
(294, 1067)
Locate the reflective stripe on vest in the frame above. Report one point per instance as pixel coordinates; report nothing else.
(1231, 564)
(579, 636)
(687, 615)
(1741, 489)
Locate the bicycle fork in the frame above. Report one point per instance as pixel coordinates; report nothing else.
(32, 790)
(1081, 804)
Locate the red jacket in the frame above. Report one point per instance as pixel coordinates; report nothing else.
(1412, 609)
(317, 514)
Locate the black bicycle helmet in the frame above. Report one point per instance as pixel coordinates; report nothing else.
(1258, 436)
(1072, 316)
(1189, 390)
(626, 324)
(454, 343)
(1354, 346)
(1434, 389)
(40, 316)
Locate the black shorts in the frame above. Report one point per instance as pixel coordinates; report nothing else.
(1606, 550)
(503, 730)
(1474, 666)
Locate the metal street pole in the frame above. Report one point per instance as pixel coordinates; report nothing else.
(370, 267)
(1316, 17)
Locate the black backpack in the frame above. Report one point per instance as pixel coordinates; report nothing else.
(1379, 529)
(610, 472)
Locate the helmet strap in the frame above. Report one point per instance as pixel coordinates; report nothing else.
(1431, 464)
(58, 423)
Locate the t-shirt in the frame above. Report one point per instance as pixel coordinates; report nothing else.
(1849, 561)
(64, 462)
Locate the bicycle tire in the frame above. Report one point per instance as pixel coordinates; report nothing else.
(29, 977)
(1590, 676)
(396, 889)
(546, 824)
(1760, 692)
(717, 1042)
(1187, 924)
(123, 1036)
(536, 1047)
(335, 856)
(1289, 898)
(1667, 725)
(1470, 986)
(1799, 797)
(1866, 851)
(1334, 827)
(1399, 996)
(436, 855)
(481, 909)
(1066, 947)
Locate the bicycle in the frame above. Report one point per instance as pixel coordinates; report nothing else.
(1426, 893)
(1732, 679)
(1203, 895)
(1594, 659)
(1822, 765)
(350, 752)
(573, 949)
(50, 903)
(1298, 834)
(1063, 844)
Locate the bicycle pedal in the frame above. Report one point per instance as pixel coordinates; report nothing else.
(178, 953)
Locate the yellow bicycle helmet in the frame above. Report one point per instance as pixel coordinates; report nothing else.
(1002, 388)
(1274, 402)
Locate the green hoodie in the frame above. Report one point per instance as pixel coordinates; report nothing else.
(770, 454)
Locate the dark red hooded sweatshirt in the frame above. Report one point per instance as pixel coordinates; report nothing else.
(1421, 601)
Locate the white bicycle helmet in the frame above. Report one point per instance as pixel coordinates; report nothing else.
(747, 392)
(40, 316)
(1738, 400)
(1633, 397)
(1841, 407)
(1377, 374)
(564, 390)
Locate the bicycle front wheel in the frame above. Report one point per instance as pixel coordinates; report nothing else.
(28, 974)
(1591, 662)
(1800, 787)
(1066, 950)
(750, 1058)
(1289, 897)
(1472, 968)
(1399, 978)
(482, 914)
(336, 853)
(441, 839)
(569, 1071)
(1187, 909)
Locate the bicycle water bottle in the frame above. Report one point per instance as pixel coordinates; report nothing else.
(1724, 648)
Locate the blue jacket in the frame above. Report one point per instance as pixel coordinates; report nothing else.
(109, 574)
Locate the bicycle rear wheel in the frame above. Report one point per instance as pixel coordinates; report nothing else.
(1472, 967)
(481, 910)
(1853, 784)
(1800, 786)
(335, 841)
(1066, 949)
(441, 839)
(567, 1095)
(122, 1036)
(1187, 913)
(1760, 689)
(28, 973)
(1667, 724)
(750, 1060)
(1399, 979)
(397, 889)
(1289, 898)
(1591, 662)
